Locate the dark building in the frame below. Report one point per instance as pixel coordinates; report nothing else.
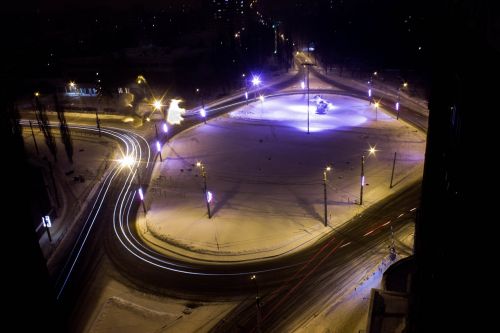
(449, 235)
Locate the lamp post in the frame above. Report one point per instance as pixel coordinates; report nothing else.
(327, 169)
(371, 151)
(362, 180)
(47, 224)
(203, 114)
(393, 166)
(307, 65)
(205, 191)
(141, 197)
(397, 107)
(256, 82)
(257, 302)
(376, 110)
(98, 122)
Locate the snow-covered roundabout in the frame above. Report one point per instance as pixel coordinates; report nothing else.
(266, 176)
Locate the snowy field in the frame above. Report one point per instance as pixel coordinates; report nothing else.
(266, 175)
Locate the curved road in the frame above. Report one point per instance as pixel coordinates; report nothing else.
(109, 226)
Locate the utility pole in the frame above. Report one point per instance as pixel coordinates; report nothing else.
(328, 168)
(205, 190)
(98, 122)
(307, 64)
(393, 166)
(362, 179)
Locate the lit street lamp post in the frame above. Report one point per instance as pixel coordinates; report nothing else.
(141, 197)
(257, 301)
(362, 179)
(397, 107)
(203, 114)
(307, 64)
(371, 151)
(47, 224)
(327, 169)
(205, 191)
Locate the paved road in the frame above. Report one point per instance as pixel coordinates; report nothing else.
(283, 283)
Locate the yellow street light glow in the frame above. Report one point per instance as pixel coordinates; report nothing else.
(372, 150)
(376, 104)
(405, 84)
(157, 104)
(198, 164)
(71, 84)
(127, 161)
(37, 94)
(328, 168)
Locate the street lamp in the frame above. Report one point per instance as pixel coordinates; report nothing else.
(376, 110)
(327, 169)
(158, 148)
(208, 194)
(257, 300)
(141, 196)
(256, 83)
(362, 180)
(371, 151)
(203, 113)
(393, 167)
(307, 65)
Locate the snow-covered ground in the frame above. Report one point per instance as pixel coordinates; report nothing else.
(91, 157)
(348, 313)
(265, 173)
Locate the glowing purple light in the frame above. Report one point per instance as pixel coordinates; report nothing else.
(203, 113)
(397, 106)
(246, 95)
(256, 80)
(209, 196)
(46, 221)
(165, 128)
(369, 93)
(303, 84)
(363, 181)
(141, 195)
(158, 146)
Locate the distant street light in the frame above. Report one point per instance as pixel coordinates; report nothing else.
(205, 191)
(376, 110)
(158, 148)
(141, 197)
(327, 169)
(203, 113)
(256, 80)
(371, 151)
